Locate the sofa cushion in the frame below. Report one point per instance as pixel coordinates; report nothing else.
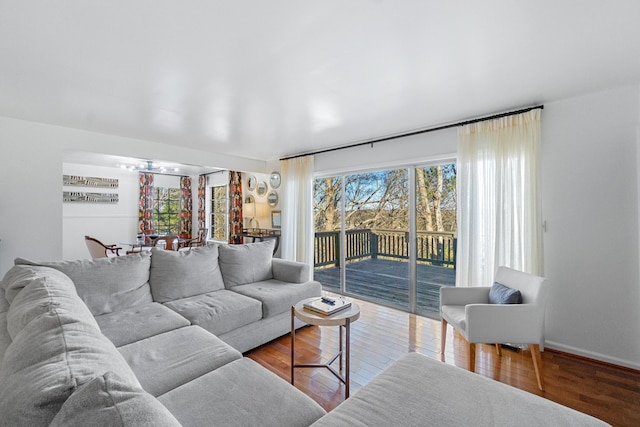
(248, 263)
(241, 393)
(277, 296)
(180, 274)
(218, 312)
(455, 314)
(49, 288)
(108, 401)
(107, 284)
(166, 361)
(49, 358)
(149, 320)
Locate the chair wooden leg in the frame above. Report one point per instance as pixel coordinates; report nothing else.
(471, 349)
(499, 349)
(537, 364)
(443, 338)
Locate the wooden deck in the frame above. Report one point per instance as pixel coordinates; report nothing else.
(386, 281)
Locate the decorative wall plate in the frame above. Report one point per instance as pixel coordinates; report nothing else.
(252, 183)
(274, 180)
(261, 188)
(272, 198)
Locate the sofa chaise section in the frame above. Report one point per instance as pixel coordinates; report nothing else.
(168, 360)
(244, 394)
(418, 391)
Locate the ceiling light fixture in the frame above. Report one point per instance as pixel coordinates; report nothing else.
(148, 167)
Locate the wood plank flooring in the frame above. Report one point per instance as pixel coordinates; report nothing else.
(382, 335)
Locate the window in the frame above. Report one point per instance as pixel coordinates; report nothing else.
(219, 212)
(166, 210)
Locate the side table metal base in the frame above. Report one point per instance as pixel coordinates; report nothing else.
(339, 355)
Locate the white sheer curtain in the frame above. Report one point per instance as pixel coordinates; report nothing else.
(499, 212)
(297, 211)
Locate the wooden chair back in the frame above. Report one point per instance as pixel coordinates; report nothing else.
(97, 249)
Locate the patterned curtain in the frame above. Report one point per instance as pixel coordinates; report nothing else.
(202, 201)
(186, 208)
(145, 203)
(235, 207)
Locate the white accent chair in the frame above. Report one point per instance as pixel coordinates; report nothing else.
(469, 312)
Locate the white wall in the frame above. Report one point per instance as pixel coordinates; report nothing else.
(590, 204)
(414, 150)
(31, 224)
(111, 223)
(590, 201)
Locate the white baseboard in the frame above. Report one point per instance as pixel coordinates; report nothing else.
(592, 355)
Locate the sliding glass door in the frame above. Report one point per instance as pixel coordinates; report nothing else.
(387, 236)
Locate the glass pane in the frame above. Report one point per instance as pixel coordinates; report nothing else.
(436, 234)
(166, 210)
(219, 226)
(327, 221)
(377, 226)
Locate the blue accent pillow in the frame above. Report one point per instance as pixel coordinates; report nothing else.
(501, 294)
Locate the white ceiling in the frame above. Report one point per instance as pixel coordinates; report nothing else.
(266, 79)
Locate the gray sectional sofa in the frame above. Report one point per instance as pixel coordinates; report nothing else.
(150, 339)
(156, 340)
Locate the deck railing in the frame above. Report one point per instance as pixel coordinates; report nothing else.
(436, 248)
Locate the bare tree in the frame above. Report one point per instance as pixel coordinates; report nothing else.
(437, 197)
(326, 202)
(424, 208)
(380, 200)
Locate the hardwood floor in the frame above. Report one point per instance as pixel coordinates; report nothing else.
(382, 335)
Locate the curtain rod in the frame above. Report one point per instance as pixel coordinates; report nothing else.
(417, 132)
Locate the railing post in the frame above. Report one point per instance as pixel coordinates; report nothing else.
(455, 252)
(336, 239)
(374, 245)
(405, 245)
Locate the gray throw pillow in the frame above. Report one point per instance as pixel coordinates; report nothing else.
(177, 275)
(248, 263)
(107, 284)
(108, 401)
(51, 356)
(501, 294)
(45, 291)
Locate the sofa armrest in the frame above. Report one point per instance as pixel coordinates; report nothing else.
(290, 271)
(503, 323)
(464, 296)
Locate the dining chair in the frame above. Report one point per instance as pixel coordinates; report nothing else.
(201, 240)
(97, 249)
